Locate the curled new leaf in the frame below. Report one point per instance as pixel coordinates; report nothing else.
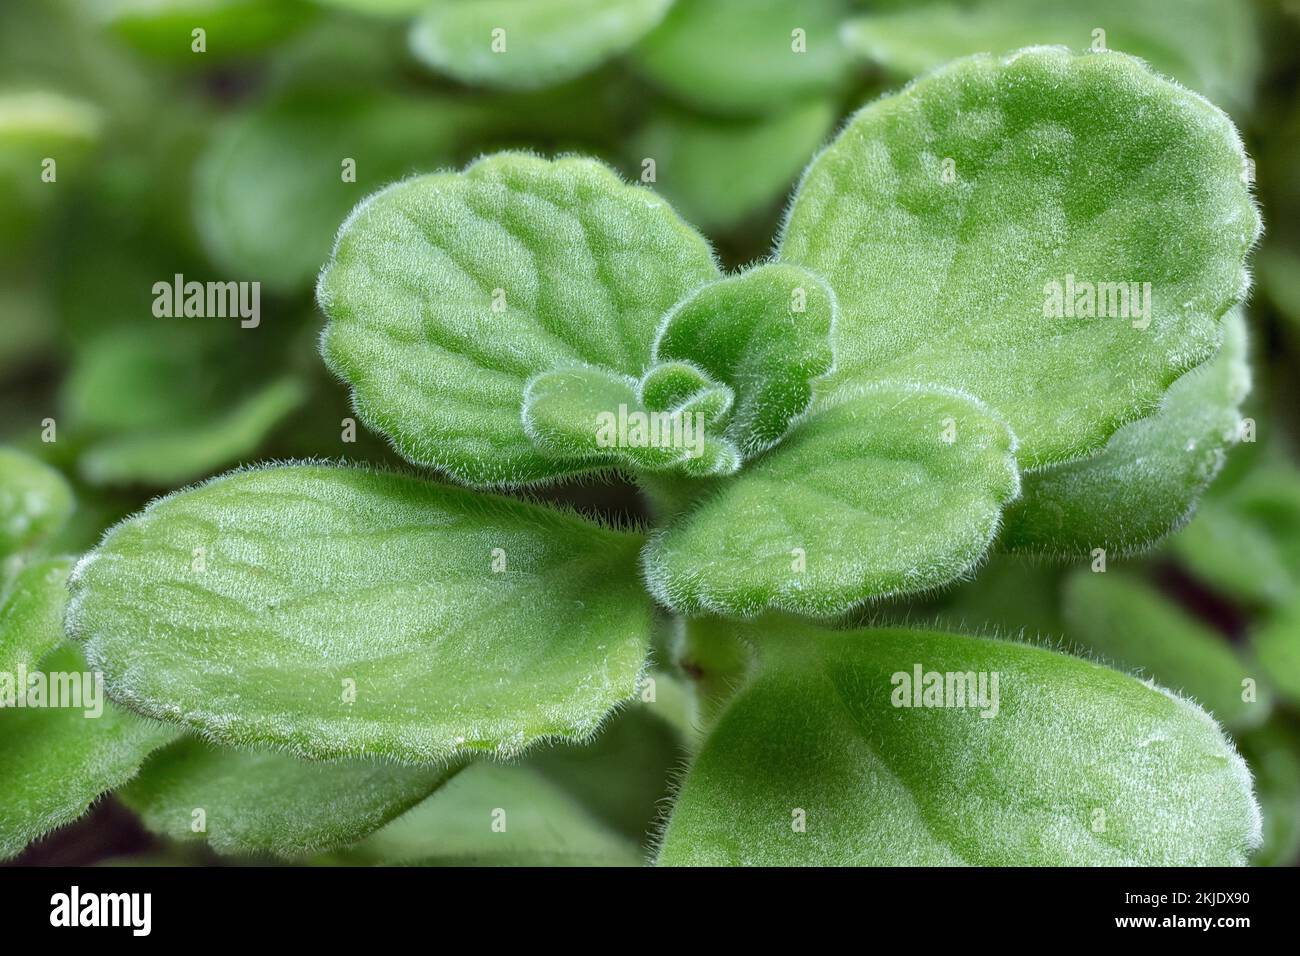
(989, 228)
(338, 612)
(888, 490)
(447, 293)
(930, 748)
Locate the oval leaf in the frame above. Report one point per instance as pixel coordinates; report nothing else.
(893, 490)
(954, 218)
(35, 501)
(338, 612)
(1073, 765)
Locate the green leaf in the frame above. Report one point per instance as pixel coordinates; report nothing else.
(744, 57)
(575, 414)
(270, 188)
(864, 499)
(764, 333)
(1060, 164)
(525, 44)
(543, 826)
(447, 293)
(1277, 647)
(163, 28)
(62, 760)
(31, 612)
(1147, 480)
(316, 585)
(35, 501)
(1127, 624)
(1246, 542)
(720, 172)
(170, 457)
(1079, 765)
(1210, 45)
(262, 802)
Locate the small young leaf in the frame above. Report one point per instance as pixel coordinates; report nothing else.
(491, 815)
(59, 759)
(267, 802)
(1128, 625)
(1145, 483)
(766, 334)
(953, 218)
(31, 613)
(35, 501)
(574, 413)
(719, 172)
(747, 57)
(173, 456)
(447, 293)
(885, 490)
(337, 612)
(524, 44)
(1073, 765)
(1210, 45)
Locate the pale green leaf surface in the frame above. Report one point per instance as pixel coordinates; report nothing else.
(31, 612)
(741, 57)
(62, 761)
(886, 785)
(719, 172)
(583, 266)
(765, 333)
(35, 501)
(543, 41)
(172, 456)
(1210, 45)
(544, 826)
(1127, 624)
(1060, 164)
(868, 489)
(311, 576)
(1146, 481)
(264, 802)
(269, 188)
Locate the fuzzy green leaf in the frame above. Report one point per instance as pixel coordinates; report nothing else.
(365, 614)
(491, 815)
(31, 612)
(747, 57)
(62, 759)
(1127, 624)
(766, 334)
(1210, 45)
(525, 44)
(173, 456)
(35, 501)
(1080, 765)
(1059, 165)
(272, 803)
(866, 498)
(447, 293)
(719, 172)
(576, 413)
(275, 182)
(1147, 480)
